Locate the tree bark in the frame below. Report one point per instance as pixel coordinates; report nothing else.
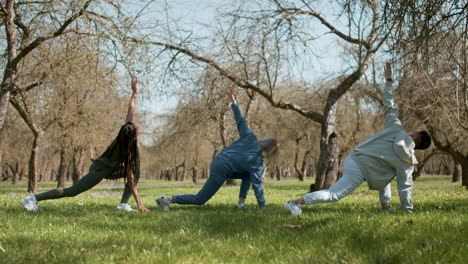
(9, 77)
(1, 167)
(278, 173)
(420, 166)
(327, 168)
(184, 171)
(168, 175)
(194, 174)
(38, 134)
(464, 167)
(457, 171)
(77, 165)
(62, 171)
(32, 181)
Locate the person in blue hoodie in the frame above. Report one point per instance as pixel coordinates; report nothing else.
(242, 160)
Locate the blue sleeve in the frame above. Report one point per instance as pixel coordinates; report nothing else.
(245, 186)
(258, 189)
(240, 121)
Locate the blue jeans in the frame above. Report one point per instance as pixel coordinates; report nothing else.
(219, 173)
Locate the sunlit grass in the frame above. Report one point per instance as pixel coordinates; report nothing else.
(88, 229)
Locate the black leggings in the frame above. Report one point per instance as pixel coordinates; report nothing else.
(97, 172)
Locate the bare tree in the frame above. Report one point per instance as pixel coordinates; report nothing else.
(269, 30)
(20, 47)
(435, 74)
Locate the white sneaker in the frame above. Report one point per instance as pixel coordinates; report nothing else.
(125, 207)
(242, 206)
(30, 203)
(163, 203)
(293, 208)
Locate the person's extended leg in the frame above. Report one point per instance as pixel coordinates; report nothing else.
(94, 176)
(218, 174)
(351, 179)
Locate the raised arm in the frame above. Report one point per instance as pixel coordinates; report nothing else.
(131, 183)
(390, 108)
(240, 121)
(131, 104)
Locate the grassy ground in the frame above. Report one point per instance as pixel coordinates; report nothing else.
(88, 229)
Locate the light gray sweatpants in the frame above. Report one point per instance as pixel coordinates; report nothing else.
(351, 179)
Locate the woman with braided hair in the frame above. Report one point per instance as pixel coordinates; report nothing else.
(120, 160)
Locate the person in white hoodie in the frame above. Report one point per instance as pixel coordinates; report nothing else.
(377, 160)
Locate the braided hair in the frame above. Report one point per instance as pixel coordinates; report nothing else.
(127, 147)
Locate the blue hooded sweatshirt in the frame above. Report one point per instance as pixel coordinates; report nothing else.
(244, 159)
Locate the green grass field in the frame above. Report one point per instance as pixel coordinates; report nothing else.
(88, 228)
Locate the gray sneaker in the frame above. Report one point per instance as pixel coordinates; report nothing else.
(389, 210)
(30, 204)
(293, 208)
(163, 203)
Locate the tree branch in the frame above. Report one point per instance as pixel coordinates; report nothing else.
(317, 117)
(57, 33)
(334, 30)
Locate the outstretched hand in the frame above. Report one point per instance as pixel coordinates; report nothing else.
(134, 84)
(388, 71)
(143, 208)
(230, 93)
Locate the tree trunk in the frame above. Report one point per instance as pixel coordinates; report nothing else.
(464, 167)
(4, 99)
(1, 167)
(15, 178)
(278, 173)
(184, 171)
(14, 173)
(32, 181)
(418, 169)
(168, 175)
(194, 175)
(327, 168)
(9, 76)
(77, 165)
(457, 171)
(53, 175)
(62, 171)
(300, 176)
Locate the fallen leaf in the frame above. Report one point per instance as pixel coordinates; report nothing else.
(292, 226)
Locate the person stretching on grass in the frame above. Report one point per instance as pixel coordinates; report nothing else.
(243, 160)
(378, 159)
(120, 160)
